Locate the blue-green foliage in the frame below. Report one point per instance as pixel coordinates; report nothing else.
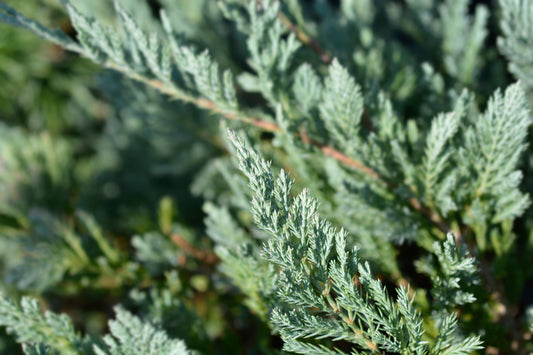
(398, 222)
(54, 334)
(317, 275)
(129, 335)
(49, 333)
(517, 27)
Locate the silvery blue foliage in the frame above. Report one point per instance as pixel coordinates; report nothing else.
(398, 221)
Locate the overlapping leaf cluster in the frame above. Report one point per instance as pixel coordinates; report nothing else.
(404, 151)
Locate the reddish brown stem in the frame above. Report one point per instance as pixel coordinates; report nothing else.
(211, 106)
(205, 256)
(432, 216)
(306, 39)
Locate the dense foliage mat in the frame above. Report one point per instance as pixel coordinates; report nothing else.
(260, 176)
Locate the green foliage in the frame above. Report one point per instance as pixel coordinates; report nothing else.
(492, 149)
(43, 86)
(129, 335)
(29, 325)
(517, 27)
(456, 267)
(317, 275)
(342, 105)
(54, 334)
(399, 222)
(34, 168)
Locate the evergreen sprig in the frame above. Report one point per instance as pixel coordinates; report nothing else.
(54, 334)
(516, 43)
(29, 325)
(129, 335)
(332, 294)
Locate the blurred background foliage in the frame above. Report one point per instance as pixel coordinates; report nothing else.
(95, 183)
(45, 88)
(76, 138)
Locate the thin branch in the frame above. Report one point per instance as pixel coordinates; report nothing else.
(415, 203)
(432, 216)
(302, 36)
(328, 150)
(306, 39)
(211, 106)
(332, 152)
(205, 256)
